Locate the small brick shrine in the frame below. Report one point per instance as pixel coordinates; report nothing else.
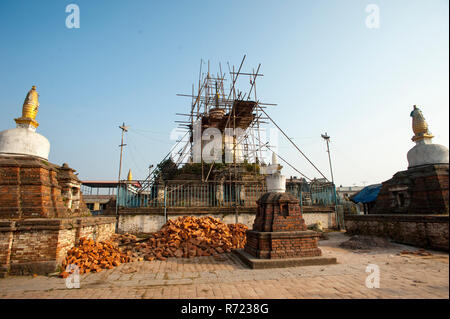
(279, 237)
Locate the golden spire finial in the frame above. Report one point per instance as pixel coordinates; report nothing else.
(130, 176)
(419, 125)
(29, 109)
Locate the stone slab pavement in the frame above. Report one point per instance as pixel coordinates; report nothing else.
(224, 277)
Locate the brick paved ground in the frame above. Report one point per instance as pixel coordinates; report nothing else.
(226, 277)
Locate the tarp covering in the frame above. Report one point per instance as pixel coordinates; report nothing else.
(367, 194)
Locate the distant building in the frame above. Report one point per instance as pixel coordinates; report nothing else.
(345, 192)
(98, 195)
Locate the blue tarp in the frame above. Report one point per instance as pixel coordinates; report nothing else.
(367, 194)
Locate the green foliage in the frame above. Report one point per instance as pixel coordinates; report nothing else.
(196, 168)
(191, 168)
(166, 170)
(250, 167)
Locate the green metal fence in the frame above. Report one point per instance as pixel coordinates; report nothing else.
(216, 195)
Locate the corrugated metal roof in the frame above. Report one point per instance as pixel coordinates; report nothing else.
(107, 184)
(100, 183)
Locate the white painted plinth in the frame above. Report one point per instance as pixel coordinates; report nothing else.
(276, 183)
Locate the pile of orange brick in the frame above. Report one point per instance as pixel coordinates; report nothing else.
(238, 235)
(190, 236)
(185, 236)
(91, 256)
(123, 239)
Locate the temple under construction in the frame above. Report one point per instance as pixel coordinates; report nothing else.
(225, 112)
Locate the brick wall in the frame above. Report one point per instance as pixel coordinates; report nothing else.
(33, 245)
(147, 220)
(96, 228)
(39, 245)
(97, 232)
(428, 231)
(313, 214)
(6, 236)
(279, 245)
(66, 240)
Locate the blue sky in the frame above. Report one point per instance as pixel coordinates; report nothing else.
(323, 67)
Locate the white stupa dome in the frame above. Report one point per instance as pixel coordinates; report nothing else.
(425, 153)
(23, 141)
